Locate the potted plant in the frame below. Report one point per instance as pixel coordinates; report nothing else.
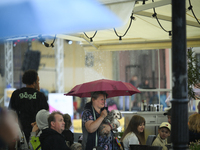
(194, 145)
(193, 74)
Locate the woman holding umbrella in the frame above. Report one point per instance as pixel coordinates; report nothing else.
(92, 118)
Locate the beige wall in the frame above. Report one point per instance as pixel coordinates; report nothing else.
(47, 66)
(75, 71)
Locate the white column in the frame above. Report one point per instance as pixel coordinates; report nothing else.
(59, 60)
(8, 48)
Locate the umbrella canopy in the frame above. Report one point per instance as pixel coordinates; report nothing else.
(111, 87)
(34, 17)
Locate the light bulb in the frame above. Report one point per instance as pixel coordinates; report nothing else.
(70, 42)
(120, 39)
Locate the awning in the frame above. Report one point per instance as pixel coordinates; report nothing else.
(145, 32)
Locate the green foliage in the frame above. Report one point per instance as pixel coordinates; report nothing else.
(120, 135)
(193, 74)
(195, 145)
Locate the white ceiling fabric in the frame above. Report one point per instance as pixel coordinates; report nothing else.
(145, 32)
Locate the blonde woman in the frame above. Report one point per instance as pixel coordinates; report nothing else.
(194, 127)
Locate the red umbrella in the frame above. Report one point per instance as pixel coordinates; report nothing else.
(111, 87)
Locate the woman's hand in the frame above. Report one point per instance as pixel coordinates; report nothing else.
(35, 128)
(104, 113)
(106, 129)
(91, 126)
(115, 125)
(32, 124)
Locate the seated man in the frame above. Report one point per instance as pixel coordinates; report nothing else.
(51, 138)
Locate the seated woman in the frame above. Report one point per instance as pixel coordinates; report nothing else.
(69, 136)
(134, 133)
(194, 127)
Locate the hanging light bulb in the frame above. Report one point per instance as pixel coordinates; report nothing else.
(69, 42)
(190, 7)
(120, 39)
(133, 18)
(91, 41)
(45, 44)
(170, 34)
(154, 15)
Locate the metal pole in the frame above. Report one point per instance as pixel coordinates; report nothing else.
(158, 75)
(8, 48)
(179, 131)
(59, 63)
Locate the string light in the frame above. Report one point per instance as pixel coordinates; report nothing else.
(91, 38)
(190, 8)
(155, 16)
(42, 40)
(170, 34)
(69, 42)
(131, 19)
(120, 39)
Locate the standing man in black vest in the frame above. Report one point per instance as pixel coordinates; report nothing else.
(28, 100)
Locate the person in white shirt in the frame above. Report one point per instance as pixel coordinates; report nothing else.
(134, 133)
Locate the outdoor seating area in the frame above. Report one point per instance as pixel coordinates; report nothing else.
(100, 74)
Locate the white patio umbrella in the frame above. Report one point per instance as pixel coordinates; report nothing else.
(34, 17)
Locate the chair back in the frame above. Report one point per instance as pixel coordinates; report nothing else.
(154, 147)
(145, 147)
(138, 147)
(150, 139)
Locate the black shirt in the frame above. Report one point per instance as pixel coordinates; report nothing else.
(69, 136)
(27, 102)
(52, 140)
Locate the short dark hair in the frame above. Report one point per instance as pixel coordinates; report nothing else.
(96, 94)
(52, 117)
(169, 112)
(29, 77)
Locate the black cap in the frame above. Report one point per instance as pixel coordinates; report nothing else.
(169, 112)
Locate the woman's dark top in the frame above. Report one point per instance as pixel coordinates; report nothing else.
(69, 136)
(193, 136)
